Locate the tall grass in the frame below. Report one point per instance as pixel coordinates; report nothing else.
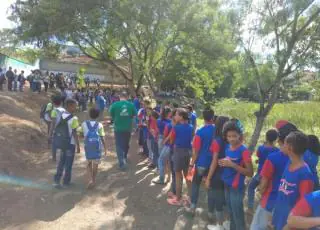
(305, 115)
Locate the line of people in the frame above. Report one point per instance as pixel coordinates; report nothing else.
(215, 154)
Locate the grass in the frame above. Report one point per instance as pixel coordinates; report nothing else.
(305, 115)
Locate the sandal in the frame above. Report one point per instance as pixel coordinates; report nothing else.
(171, 195)
(174, 201)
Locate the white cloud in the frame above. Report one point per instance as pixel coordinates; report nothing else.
(4, 22)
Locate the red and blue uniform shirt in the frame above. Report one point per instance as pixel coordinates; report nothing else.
(153, 128)
(193, 119)
(181, 136)
(309, 206)
(239, 156)
(202, 143)
(272, 170)
(136, 103)
(263, 153)
(217, 147)
(312, 161)
(142, 117)
(294, 185)
(161, 123)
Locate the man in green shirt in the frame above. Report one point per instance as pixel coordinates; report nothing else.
(122, 113)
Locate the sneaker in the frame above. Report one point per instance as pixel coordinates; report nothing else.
(215, 227)
(158, 181)
(125, 162)
(226, 225)
(57, 185)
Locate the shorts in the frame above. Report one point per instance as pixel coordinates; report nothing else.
(94, 161)
(181, 159)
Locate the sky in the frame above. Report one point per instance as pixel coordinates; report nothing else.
(4, 22)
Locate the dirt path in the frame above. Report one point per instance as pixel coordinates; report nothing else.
(121, 200)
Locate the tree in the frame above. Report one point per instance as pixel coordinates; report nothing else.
(289, 33)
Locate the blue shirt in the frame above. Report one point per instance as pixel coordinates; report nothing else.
(162, 124)
(312, 161)
(192, 119)
(291, 185)
(262, 153)
(202, 143)
(136, 103)
(182, 135)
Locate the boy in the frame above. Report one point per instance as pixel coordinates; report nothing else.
(56, 110)
(262, 154)
(202, 156)
(143, 130)
(306, 213)
(181, 135)
(66, 140)
(296, 181)
(192, 117)
(94, 134)
(271, 174)
(101, 104)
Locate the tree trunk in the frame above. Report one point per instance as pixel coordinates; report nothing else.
(257, 130)
(131, 88)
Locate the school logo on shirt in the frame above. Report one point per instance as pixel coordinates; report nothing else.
(232, 158)
(286, 187)
(124, 111)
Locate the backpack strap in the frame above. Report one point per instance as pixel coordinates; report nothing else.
(90, 127)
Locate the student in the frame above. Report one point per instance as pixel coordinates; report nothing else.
(154, 132)
(94, 134)
(236, 166)
(214, 183)
(306, 213)
(262, 154)
(271, 174)
(101, 104)
(192, 117)
(181, 135)
(296, 181)
(311, 157)
(46, 110)
(201, 157)
(166, 146)
(161, 124)
(143, 129)
(158, 107)
(66, 140)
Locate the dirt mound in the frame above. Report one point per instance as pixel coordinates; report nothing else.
(22, 137)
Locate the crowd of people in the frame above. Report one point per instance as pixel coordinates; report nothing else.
(214, 155)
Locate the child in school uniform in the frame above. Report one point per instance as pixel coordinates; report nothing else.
(67, 141)
(164, 127)
(143, 128)
(94, 134)
(181, 136)
(236, 166)
(306, 213)
(311, 157)
(262, 153)
(153, 139)
(201, 157)
(214, 183)
(296, 181)
(271, 174)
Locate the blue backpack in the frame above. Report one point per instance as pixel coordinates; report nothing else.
(92, 143)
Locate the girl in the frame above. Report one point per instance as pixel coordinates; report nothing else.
(311, 157)
(214, 184)
(181, 135)
(165, 150)
(236, 166)
(153, 137)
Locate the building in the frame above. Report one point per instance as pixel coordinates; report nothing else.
(68, 64)
(6, 62)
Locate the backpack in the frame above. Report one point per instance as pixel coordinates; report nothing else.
(61, 133)
(92, 142)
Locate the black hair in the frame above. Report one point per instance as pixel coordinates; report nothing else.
(69, 102)
(214, 118)
(220, 122)
(56, 100)
(208, 114)
(298, 141)
(94, 113)
(183, 113)
(165, 112)
(314, 144)
(285, 130)
(231, 126)
(189, 107)
(271, 135)
(155, 114)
